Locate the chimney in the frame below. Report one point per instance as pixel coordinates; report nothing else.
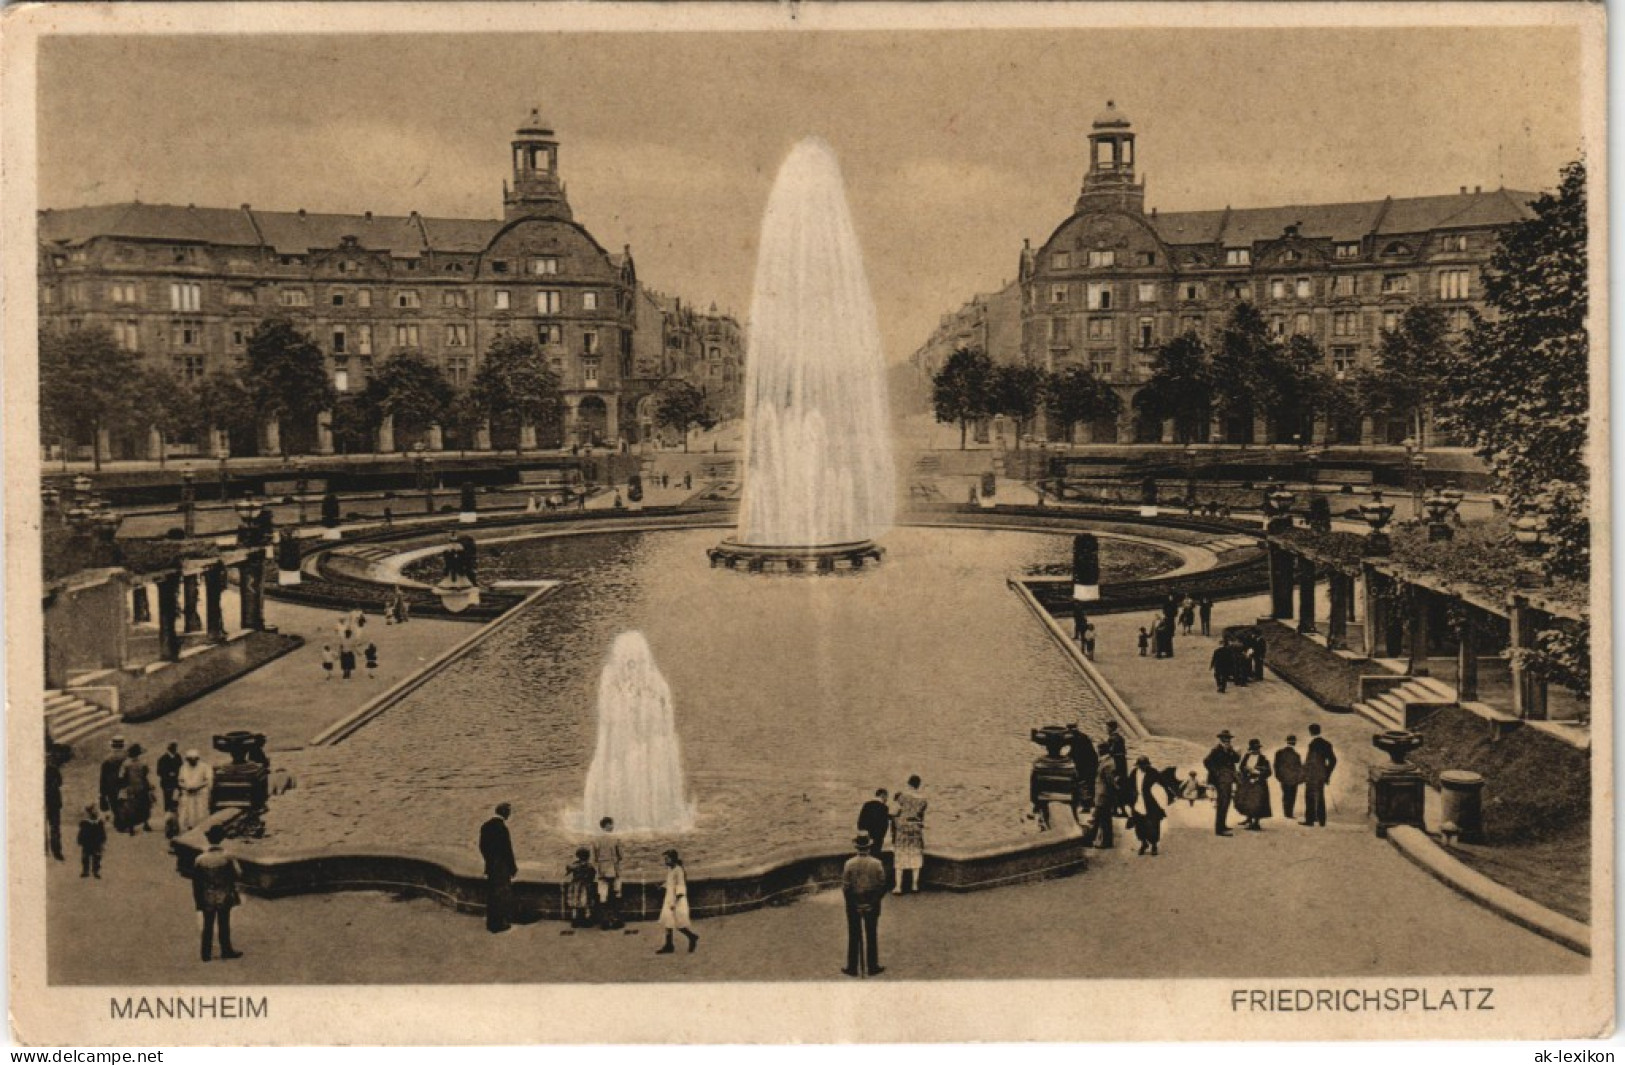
(369, 216)
(1477, 189)
(245, 207)
(301, 213)
(1464, 190)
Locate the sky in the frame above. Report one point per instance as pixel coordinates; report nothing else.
(955, 145)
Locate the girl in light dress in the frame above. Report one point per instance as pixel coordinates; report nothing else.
(674, 911)
(908, 837)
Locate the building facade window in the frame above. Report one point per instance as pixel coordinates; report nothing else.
(1147, 332)
(1277, 325)
(1453, 284)
(239, 337)
(1302, 324)
(1061, 260)
(1057, 294)
(458, 370)
(294, 297)
(457, 336)
(1395, 284)
(127, 334)
(341, 375)
(124, 292)
(338, 299)
(1147, 292)
(1148, 258)
(1100, 296)
(589, 342)
(1190, 323)
(1458, 319)
(189, 368)
(1304, 289)
(547, 302)
(363, 339)
(550, 334)
(407, 299)
(1100, 329)
(1238, 256)
(589, 301)
(454, 298)
(1190, 290)
(544, 266)
(406, 336)
(1102, 258)
(1235, 290)
(1342, 361)
(1057, 331)
(500, 299)
(1348, 250)
(1345, 285)
(589, 373)
(1453, 242)
(1277, 288)
(1390, 321)
(1345, 324)
(339, 340)
(363, 297)
(185, 296)
(186, 333)
(1101, 364)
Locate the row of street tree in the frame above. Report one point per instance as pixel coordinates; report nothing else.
(90, 385)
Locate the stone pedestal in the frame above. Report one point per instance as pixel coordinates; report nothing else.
(155, 445)
(169, 641)
(482, 437)
(1397, 789)
(527, 437)
(437, 438)
(324, 433)
(1461, 803)
(190, 620)
(386, 435)
(1368, 431)
(104, 445)
(1281, 583)
(271, 437)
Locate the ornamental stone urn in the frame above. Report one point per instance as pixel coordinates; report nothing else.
(1396, 790)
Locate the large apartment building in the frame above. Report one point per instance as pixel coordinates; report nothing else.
(185, 286)
(1113, 281)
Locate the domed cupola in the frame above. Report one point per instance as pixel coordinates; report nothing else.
(537, 190)
(1110, 184)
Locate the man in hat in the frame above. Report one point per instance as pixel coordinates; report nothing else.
(195, 780)
(1223, 664)
(214, 891)
(1085, 762)
(1289, 774)
(1116, 748)
(169, 774)
(1221, 763)
(1318, 763)
(496, 847)
(863, 885)
(874, 820)
(112, 781)
(137, 798)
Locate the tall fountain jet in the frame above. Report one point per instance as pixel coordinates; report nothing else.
(637, 770)
(819, 482)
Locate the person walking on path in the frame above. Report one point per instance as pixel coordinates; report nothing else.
(1257, 650)
(169, 775)
(1145, 641)
(92, 842)
(1221, 764)
(327, 661)
(1289, 774)
(496, 847)
(874, 819)
(863, 886)
(196, 779)
(1099, 832)
(111, 781)
(908, 837)
(674, 910)
(1147, 809)
(347, 654)
(1223, 664)
(1080, 622)
(53, 807)
(1318, 763)
(370, 653)
(214, 891)
(1204, 610)
(606, 858)
(137, 795)
(1252, 790)
(1187, 616)
(1117, 749)
(1089, 641)
(1085, 762)
(580, 877)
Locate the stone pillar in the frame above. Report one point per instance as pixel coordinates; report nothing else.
(527, 436)
(612, 420)
(219, 442)
(1368, 431)
(104, 444)
(386, 434)
(271, 437)
(140, 611)
(1167, 430)
(251, 589)
(169, 641)
(1467, 656)
(324, 432)
(1417, 666)
(482, 436)
(437, 438)
(1306, 595)
(1281, 564)
(1528, 690)
(1216, 430)
(1125, 427)
(155, 444)
(214, 586)
(1338, 589)
(1320, 433)
(1261, 429)
(190, 621)
(1375, 616)
(572, 416)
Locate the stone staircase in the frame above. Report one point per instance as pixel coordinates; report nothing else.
(69, 718)
(1401, 706)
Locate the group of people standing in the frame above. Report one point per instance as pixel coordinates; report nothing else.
(1178, 613)
(1239, 658)
(349, 639)
(1242, 779)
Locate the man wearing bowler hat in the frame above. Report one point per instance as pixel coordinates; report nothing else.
(863, 883)
(1221, 763)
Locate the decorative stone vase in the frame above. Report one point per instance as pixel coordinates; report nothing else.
(1396, 790)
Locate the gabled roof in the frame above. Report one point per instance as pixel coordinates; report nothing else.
(460, 234)
(148, 221)
(293, 233)
(1344, 221)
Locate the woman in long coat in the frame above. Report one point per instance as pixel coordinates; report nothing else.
(908, 837)
(1252, 791)
(136, 800)
(1147, 809)
(674, 910)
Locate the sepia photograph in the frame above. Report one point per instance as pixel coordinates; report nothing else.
(536, 523)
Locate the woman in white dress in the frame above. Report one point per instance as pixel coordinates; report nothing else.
(908, 837)
(674, 911)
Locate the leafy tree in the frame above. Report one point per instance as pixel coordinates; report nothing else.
(1299, 387)
(163, 402)
(1076, 395)
(222, 401)
(354, 424)
(1520, 390)
(513, 387)
(962, 391)
(286, 376)
(1242, 360)
(411, 390)
(1180, 388)
(1017, 392)
(85, 386)
(1408, 374)
(682, 406)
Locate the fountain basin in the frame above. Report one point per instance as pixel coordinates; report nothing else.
(825, 558)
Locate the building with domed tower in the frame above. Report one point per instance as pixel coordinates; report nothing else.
(1114, 281)
(185, 286)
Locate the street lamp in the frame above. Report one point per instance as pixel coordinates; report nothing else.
(425, 475)
(1377, 514)
(188, 501)
(249, 509)
(1278, 507)
(1190, 473)
(223, 454)
(1415, 463)
(301, 485)
(1529, 529)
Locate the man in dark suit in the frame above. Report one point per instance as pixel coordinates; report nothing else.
(1221, 763)
(496, 847)
(1258, 657)
(1318, 763)
(112, 782)
(1289, 774)
(874, 820)
(863, 884)
(53, 806)
(1222, 664)
(214, 893)
(470, 559)
(1116, 748)
(1099, 832)
(1086, 761)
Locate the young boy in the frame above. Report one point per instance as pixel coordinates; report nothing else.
(1192, 789)
(1145, 641)
(92, 840)
(371, 653)
(327, 661)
